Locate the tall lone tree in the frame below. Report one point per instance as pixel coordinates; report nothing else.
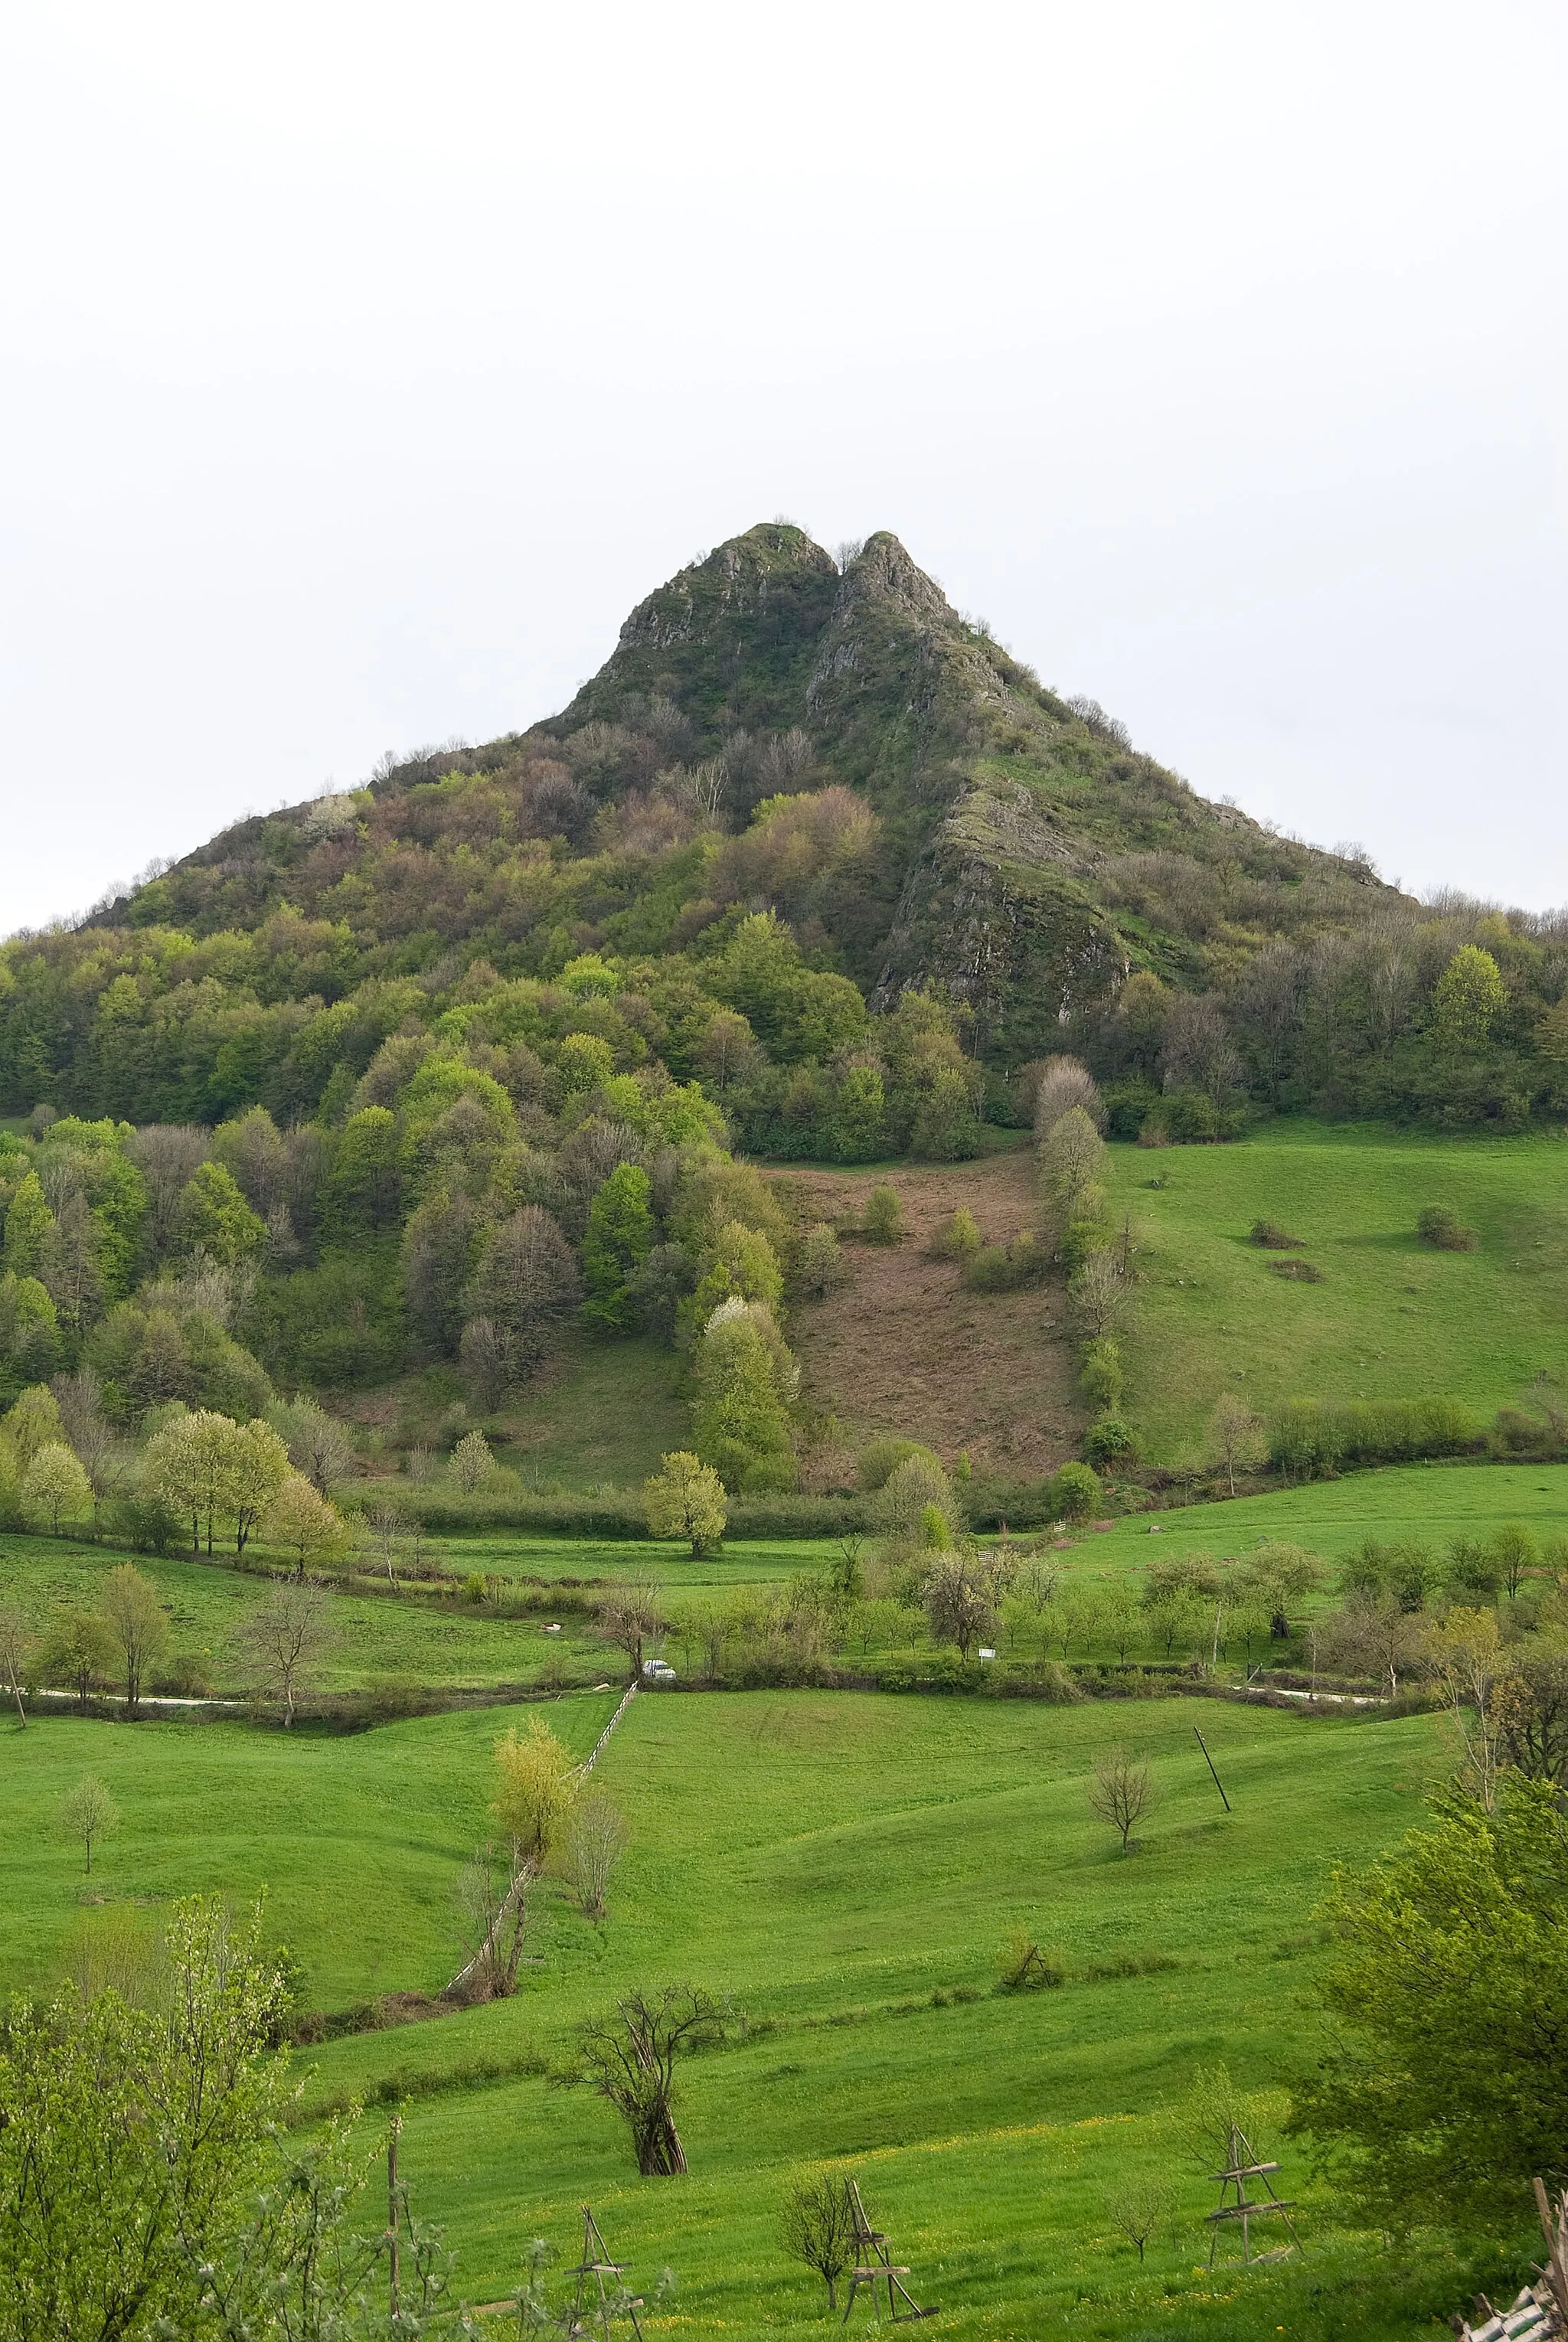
(685, 1499)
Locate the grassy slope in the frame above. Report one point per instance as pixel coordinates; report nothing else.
(822, 1857)
(1392, 1318)
(1431, 1503)
(356, 1841)
(376, 1641)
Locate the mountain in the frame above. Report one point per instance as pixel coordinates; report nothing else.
(834, 753)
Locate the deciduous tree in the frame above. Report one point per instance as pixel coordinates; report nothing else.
(685, 1499)
(1439, 2092)
(1120, 1793)
(138, 1626)
(816, 2223)
(87, 1814)
(629, 2057)
(305, 1525)
(284, 1637)
(55, 1488)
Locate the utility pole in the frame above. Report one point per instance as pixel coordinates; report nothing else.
(1210, 1763)
(393, 2131)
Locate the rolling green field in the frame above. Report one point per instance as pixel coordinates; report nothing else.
(1392, 1318)
(845, 1865)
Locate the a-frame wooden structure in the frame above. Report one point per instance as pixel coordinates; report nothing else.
(1243, 2165)
(595, 2305)
(873, 2266)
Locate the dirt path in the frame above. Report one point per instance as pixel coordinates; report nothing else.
(903, 1345)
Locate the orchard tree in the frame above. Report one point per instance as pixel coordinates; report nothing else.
(685, 1499)
(958, 1600)
(817, 2225)
(1120, 1793)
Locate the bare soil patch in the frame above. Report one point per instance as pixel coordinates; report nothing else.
(904, 1346)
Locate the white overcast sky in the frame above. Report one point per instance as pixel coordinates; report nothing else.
(362, 366)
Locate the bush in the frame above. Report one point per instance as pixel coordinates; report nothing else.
(883, 1216)
(1075, 1492)
(881, 1459)
(1108, 1438)
(183, 1678)
(1442, 1230)
(1299, 1272)
(957, 1237)
(1101, 1375)
(1312, 1438)
(146, 1525)
(1003, 1267)
(1274, 1239)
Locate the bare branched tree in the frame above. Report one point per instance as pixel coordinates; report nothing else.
(285, 1635)
(629, 2057)
(1120, 1793)
(596, 1839)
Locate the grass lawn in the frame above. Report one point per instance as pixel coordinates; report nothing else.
(1392, 1318)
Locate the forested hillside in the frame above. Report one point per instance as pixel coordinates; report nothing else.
(794, 796)
(411, 1076)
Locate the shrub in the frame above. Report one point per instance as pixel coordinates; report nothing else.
(1023, 1967)
(1101, 1375)
(146, 1525)
(883, 1216)
(957, 1237)
(1443, 1231)
(1312, 1438)
(1298, 1272)
(1108, 1438)
(1274, 1239)
(1075, 1492)
(881, 1459)
(1003, 1267)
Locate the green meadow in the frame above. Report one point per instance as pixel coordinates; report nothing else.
(1391, 1318)
(844, 1867)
